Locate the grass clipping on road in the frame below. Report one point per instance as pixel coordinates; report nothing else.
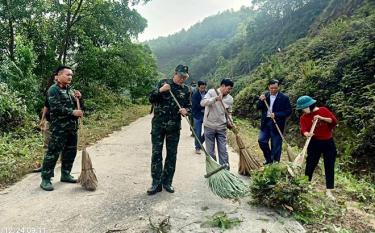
(221, 220)
(21, 150)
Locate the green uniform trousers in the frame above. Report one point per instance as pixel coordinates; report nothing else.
(64, 142)
(172, 137)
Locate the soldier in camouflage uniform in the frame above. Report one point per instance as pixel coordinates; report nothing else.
(64, 125)
(166, 124)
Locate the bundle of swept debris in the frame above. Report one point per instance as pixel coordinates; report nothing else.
(275, 187)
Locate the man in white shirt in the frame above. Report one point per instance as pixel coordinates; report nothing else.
(215, 120)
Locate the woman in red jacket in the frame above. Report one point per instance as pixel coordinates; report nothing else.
(321, 141)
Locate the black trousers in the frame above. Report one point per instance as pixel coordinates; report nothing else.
(314, 151)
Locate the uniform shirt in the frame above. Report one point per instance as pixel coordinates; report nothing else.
(166, 111)
(61, 105)
(323, 130)
(46, 104)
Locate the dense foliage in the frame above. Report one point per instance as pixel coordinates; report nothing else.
(231, 44)
(12, 108)
(335, 66)
(315, 47)
(201, 45)
(94, 37)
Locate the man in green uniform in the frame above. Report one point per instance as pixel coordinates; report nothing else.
(166, 124)
(64, 125)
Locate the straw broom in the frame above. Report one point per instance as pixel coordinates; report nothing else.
(289, 150)
(87, 178)
(301, 157)
(247, 161)
(220, 180)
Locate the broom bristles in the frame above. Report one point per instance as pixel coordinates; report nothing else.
(299, 160)
(290, 153)
(87, 178)
(223, 183)
(247, 162)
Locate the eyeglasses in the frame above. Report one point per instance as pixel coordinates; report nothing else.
(182, 77)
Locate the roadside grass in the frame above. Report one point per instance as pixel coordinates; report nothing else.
(353, 210)
(21, 151)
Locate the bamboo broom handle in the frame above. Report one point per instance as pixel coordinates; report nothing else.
(309, 138)
(274, 121)
(196, 137)
(192, 128)
(224, 166)
(278, 130)
(80, 123)
(225, 110)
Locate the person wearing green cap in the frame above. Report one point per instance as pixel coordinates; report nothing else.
(322, 142)
(166, 125)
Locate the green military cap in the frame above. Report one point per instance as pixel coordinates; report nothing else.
(182, 70)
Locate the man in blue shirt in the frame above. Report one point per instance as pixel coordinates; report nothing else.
(280, 109)
(198, 113)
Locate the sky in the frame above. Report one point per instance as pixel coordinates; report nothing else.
(165, 17)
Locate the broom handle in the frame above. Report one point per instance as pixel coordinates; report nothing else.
(80, 121)
(224, 166)
(225, 110)
(79, 108)
(274, 121)
(309, 138)
(192, 128)
(196, 137)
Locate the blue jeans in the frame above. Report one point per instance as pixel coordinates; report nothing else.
(198, 131)
(272, 154)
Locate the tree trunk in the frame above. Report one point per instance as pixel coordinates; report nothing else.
(11, 39)
(11, 31)
(70, 21)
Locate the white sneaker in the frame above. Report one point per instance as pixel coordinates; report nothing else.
(198, 152)
(330, 195)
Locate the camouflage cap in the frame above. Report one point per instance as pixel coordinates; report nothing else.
(182, 70)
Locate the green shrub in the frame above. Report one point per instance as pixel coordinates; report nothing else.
(359, 190)
(336, 67)
(275, 187)
(18, 154)
(19, 75)
(12, 109)
(97, 98)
